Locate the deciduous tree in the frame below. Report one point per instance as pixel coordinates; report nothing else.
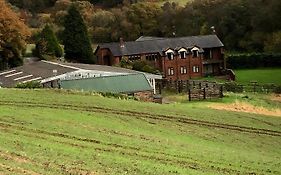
(13, 33)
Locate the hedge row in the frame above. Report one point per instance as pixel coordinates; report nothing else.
(253, 60)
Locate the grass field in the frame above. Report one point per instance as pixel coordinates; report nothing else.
(56, 132)
(261, 75)
(266, 75)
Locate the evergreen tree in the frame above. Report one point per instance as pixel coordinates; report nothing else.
(47, 44)
(76, 41)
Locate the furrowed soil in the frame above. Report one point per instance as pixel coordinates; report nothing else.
(59, 132)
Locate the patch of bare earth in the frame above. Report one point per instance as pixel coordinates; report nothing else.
(245, 107)
(276, 97)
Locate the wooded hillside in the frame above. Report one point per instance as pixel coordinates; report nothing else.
(242, 25)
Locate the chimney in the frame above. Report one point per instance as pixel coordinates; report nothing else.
(55, 72)
(213, 29)
(122, 44)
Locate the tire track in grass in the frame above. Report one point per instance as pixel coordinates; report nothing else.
(136, 114)
(25, 160)
(155, 156)
(17, 170)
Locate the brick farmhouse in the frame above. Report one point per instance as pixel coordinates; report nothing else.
(180, 58)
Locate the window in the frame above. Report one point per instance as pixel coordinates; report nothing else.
(183, 70)
(182, 55)
(170, 71)
(170, 55)
(211, 54)
(195, 53)
(134, 57)
(195, 69)
(151, 57)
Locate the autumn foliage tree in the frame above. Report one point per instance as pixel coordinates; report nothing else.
(13, 33)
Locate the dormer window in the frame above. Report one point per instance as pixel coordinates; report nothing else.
(182, 55)
(170, 54)
(182, 52)
(194, 52)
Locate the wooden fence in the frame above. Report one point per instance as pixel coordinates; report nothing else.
(185, 86)
(204, 90)
(196, 89)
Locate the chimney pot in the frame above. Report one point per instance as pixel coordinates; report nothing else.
(122, 44)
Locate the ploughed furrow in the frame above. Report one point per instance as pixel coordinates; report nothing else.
(186, 162)
(184, 120)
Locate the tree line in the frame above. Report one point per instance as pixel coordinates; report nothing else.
(242, 25)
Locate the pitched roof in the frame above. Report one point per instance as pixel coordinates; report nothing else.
(44, 71)
(129, 83)
(157, 45)
(34, 71)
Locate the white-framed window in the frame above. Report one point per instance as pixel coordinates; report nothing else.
(183, 70)
(134, 57)
(170, 71)
(211, 54)
(170, 55)
(195, 69)
(151, 57)
(195, 53)
(183, 55)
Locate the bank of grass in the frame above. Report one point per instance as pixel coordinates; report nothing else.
(54, 140)
(256, 99)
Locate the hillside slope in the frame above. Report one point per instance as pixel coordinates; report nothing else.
(57, 132)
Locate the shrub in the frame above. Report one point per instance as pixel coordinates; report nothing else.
(144, 67)
(233, 87)
(29, 85)
(277, 90)
(253, 60)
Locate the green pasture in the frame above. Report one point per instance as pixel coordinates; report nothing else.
(262, 75)
(63, 132)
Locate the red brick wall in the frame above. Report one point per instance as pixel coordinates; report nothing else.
(164, 63)
(177, 63)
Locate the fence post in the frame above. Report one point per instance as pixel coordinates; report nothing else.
(204, 93)
(179, 86)
(221, 91)
(160, 87)
(187, 85)
(189, 95)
